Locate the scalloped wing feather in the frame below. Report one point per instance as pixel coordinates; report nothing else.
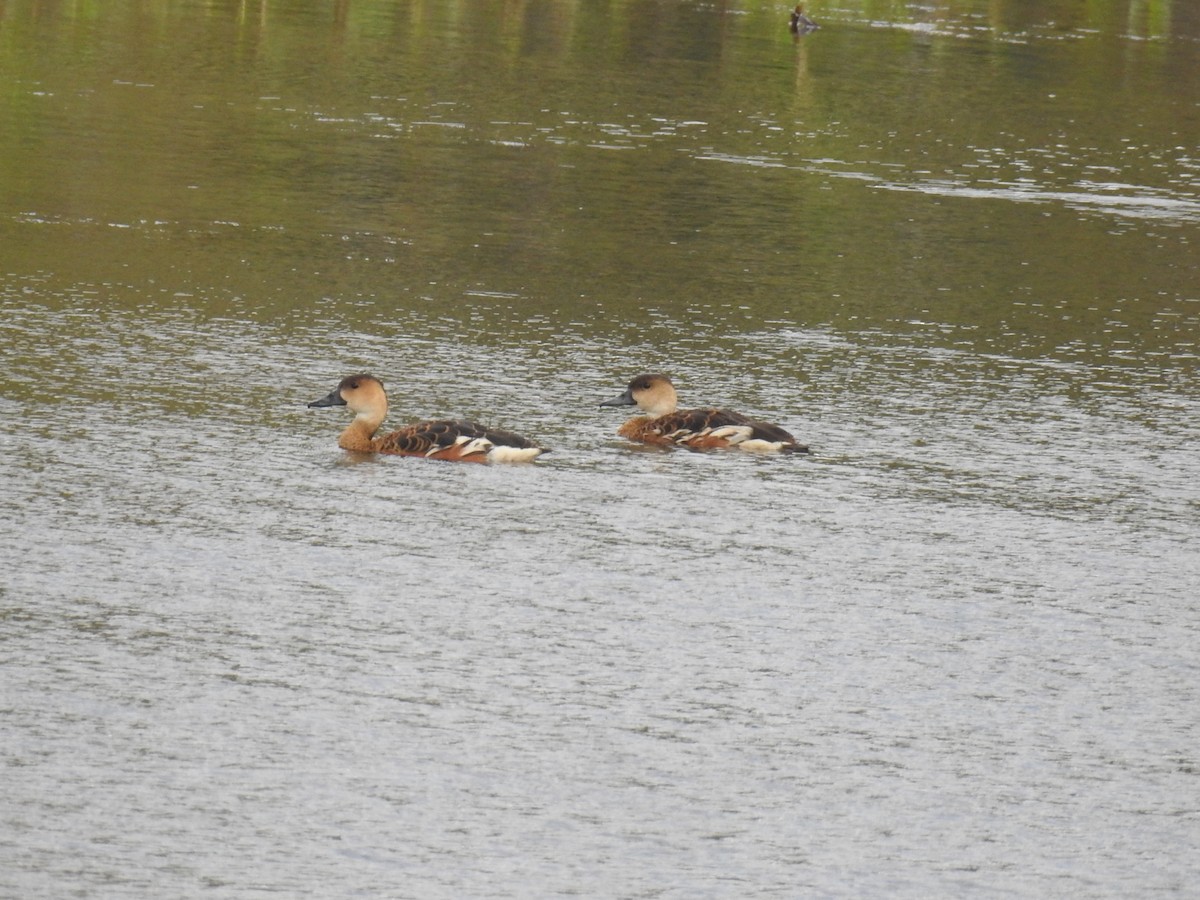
(456, 440)
(709, 429)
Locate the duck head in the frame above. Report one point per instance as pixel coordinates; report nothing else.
(652, 394)
(363, 394)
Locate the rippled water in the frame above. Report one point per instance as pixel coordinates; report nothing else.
(951, 653)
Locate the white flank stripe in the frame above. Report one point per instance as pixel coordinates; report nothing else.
(758, 445)
(513, 454)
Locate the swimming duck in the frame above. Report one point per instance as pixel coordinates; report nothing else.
(442, 439)
(696, 429)
(800, 23)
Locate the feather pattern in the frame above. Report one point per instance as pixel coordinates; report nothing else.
(449, 439)
(456, 437)
(696, 429)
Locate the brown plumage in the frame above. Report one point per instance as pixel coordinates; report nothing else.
(441, 439)
(696, 429)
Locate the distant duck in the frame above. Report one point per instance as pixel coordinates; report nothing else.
(800, 23)
(442, 439)
(697, 429)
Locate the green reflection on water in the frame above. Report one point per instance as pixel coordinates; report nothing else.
(1025, 177)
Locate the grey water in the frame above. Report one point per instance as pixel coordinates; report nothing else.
(952, 247)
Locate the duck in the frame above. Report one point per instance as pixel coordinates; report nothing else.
(665, 425)
(800, 23)
(449, 439)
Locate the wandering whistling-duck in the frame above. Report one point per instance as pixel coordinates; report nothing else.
(442, 439)
(696, 429)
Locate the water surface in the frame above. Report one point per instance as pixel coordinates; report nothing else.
(951, 653)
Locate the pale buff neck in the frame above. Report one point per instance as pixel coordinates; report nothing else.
(659, 401)
(360, 433)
